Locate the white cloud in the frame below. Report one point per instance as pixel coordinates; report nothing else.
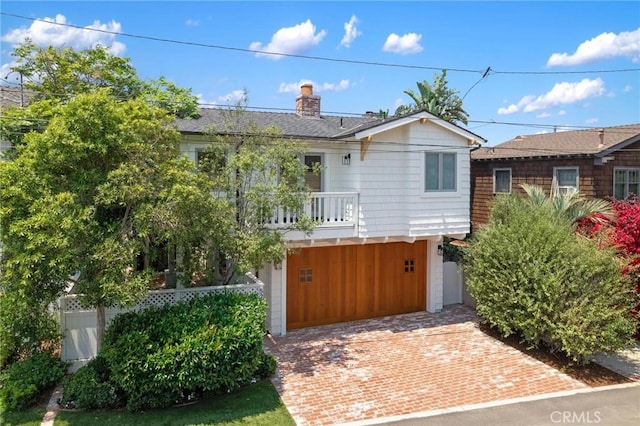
(232, 97)
(407, 44)
(543, 115)
(317, 87)
(562, 112)
(561, 94)
(606, 45)
(55, 32)
(508, 110)
(592, 120)
(628, 88)
(192, 22)
(350, 32)
(290, 40)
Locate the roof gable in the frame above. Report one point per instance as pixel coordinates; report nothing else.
(422, 117)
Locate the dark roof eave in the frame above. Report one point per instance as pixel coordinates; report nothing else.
(536, 157)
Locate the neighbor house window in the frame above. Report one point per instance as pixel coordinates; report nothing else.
(501, 180)
(626, 182)
(440, 172)
(566, 179)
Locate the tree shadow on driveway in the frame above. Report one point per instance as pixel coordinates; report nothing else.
(306, 351)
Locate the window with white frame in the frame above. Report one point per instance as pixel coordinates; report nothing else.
(626, 181)
(566, 179)
(440, 171)
(211, 161)
(501, 180)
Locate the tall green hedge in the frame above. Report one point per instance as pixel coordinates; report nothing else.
(532, 275)
(162, 356)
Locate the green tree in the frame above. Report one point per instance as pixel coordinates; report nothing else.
(436, 98)
(82, 199)
(52, 76)
(59, 73)
(256, 172)
(533, 276)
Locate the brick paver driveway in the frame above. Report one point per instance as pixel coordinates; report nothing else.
(402, 364)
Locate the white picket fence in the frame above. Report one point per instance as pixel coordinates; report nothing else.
(79, 324)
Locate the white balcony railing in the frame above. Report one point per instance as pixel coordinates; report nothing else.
(326, 208)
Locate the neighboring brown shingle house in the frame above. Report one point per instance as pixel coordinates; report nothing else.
(600, 163)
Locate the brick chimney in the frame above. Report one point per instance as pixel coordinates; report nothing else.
(307, 104)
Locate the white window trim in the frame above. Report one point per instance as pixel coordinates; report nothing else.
(323, 165)
(615, 169)
(440, 192)
(576, 168)
(502, 169)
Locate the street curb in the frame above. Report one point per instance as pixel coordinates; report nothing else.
(52, 407)
(470, 407)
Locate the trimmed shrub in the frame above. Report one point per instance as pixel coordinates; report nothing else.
(26, 326)
(163, 356)
(267, 366)
(22, 383)
(532, 275)
(91, 388)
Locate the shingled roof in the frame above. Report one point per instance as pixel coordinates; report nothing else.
(591, 142)
(291, 124)
(306, 123)
(14, 96)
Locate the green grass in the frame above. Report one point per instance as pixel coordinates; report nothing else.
(30, 417)
(258, 404)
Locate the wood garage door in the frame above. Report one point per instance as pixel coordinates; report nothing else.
(327, 285)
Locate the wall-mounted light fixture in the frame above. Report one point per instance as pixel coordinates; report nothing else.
(440, 250)
(346, 160)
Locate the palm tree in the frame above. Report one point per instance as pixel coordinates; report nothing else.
(437, 99)
(572, 205)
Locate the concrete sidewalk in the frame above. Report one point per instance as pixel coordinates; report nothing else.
(626, 362)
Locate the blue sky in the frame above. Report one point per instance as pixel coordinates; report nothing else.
(553, 64)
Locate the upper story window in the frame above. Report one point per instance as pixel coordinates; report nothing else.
(210, 161)
(501, 181)
(566, 179)
(440, 171)
(626, 181)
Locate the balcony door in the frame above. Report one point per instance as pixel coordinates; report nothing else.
(313, 180)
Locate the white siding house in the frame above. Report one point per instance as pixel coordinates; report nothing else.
(390, 190)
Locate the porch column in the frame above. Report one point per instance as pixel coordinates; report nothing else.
(434, 277)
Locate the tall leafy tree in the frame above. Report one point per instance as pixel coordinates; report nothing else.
(436, 98)
(256, 172)
(81, 198)
(53, 75)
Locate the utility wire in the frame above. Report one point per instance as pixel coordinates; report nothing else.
(485, 75)
(317, 58)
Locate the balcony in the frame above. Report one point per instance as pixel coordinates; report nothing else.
(336, 215)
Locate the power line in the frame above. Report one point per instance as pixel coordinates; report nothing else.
(317, 58)
(610, 129)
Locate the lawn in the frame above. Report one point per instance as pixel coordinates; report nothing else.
(30, 417)
(258, 404)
